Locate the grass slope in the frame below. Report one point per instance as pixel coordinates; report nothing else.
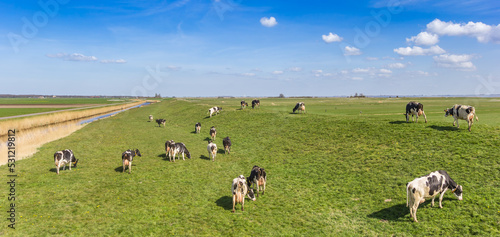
(330, 172)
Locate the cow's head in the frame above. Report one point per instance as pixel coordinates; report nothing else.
(137, 152)
(251, 194)
(75, 162)
(448, 112)
(458, 192)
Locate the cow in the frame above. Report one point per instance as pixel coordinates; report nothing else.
(239, 189)
(243, 104)
(160, 122)
(227, 145)
(300, 107)
(255, 103)
(258, 177)
(464, 112)
(150, 118)
(173, 148)
(414, 108)
(212, 150)
(197, 127)
(128, 157)
(213, 133)
(215, 110)
(429, 186)
(65, 157)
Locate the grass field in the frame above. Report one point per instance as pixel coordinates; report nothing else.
(7, 112)
(60, 101)
(338, 170)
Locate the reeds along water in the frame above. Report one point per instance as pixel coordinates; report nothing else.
(46, 128)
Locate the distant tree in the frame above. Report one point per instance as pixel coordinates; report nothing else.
(282, 96)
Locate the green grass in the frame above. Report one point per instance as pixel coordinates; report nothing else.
(60, 101)
(20, 111)
(330, 172)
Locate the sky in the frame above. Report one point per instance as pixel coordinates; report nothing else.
(253, 48)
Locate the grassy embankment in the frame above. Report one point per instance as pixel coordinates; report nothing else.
(340, 169)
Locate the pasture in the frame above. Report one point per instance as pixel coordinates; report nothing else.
(338, 170)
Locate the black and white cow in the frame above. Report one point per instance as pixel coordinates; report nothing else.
(197, 127)
(429, 186)
(255, 103)
(212, 150)
(150, 118)
(414, 108)
(215, 110)
(258, 177)
(243, 104)
(64, 157)
(239, 189)
(160, 122)
(128, 157)
(300, 107)
(173, 148)
(227, 144)
(464, 112)
(213, 133)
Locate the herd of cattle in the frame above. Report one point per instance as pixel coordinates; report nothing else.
(428, 186)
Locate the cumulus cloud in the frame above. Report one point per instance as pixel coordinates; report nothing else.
(348, 50)
(415, 50)
(295, 69)
(248, 74)
(113, 61)
(331, 38)
(361, 70)
(396, 65)
(277, 72)
(385, 71)
(268, 22)
(460, 62)
(482, 32)
(73, 57)
(424, 38)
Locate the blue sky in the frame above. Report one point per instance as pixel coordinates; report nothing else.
(250, 47)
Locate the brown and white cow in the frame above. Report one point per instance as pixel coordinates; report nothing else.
(258, 177)
(429, 186)
(226, 142)
(255, 103)
(128, 157)
(65, 157)
(213, 133)
(212, 150)
(300, 107)
(197, 127)
(239, 189)
(414, 108)
(464, 112)
(243, 104)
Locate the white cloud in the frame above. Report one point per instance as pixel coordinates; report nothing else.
(332, 38)
(424, 38)
(268, 22)
(460, 62)
(422, 73)
(113, 61)
(277, 72)
(295, 69)
(482, 32)
(385, 71)
(396, 65)
(73, 57)
(317, 71)
(173, 68)
(371, 58)
(357, 78)
(351, 51)
(361, 70)
(248, 74)
(415, 50)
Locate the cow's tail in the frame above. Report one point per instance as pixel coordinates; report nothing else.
(477, 119)
(407, 186)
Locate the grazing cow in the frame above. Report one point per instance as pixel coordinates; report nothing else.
(429, 186)
(172, 148)
(227, 145)
(255, 103)
(300, 107)
(213, 133)
(215, 110)
(197, 127)
(464, 112)
(160, 122)
(63, 158)
(243, 104)
(212, 150)
(239, 189)
(128, 157)
(258, 177)
(414, 108)
(150, 118)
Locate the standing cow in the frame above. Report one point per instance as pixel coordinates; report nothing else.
(239, 189)
(255, 103)
(414, 108)
(63, 158)
(243, 104)
(213, 133)
(464, 112)
(128, 157)
(429, 186)
(212, 150)
(197, 127)
(226, 142)
(300, 107)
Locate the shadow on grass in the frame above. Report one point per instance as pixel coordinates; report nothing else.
(443, 128)
(220, 151)
(225, 202)
(207, 139)
(120, 169)
(54, 170)
(398, 122)
(394, 213)
(204, 157)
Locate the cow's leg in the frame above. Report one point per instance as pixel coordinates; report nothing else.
(470, 121)
(70, 163)
(123, 163)
(415, 208)
(58, 167)
(441, 198)
(264, 187)
(425, 117)
(183, 156)
(64, 166)
(432, 203)
(130, 167)
(234, 202)
(416, 120)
